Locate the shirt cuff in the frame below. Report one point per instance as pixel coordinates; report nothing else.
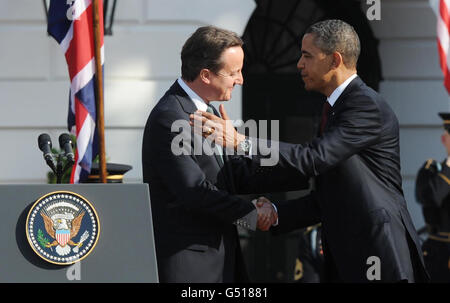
(276, 210)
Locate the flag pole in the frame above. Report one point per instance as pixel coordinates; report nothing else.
(99, 91)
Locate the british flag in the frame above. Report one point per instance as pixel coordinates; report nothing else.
(71, 24)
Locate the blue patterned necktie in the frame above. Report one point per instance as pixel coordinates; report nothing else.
(219, 155)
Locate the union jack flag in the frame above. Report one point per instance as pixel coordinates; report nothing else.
(70, 22)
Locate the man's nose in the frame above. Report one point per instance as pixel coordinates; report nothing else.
(300, 64)
(240, 79)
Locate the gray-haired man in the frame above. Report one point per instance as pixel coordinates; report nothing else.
(367, 233)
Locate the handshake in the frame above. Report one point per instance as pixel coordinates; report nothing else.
(267, 215)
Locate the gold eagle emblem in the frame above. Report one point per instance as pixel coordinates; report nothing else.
(66, 226)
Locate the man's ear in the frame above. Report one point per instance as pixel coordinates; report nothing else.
(205, 76)
(337, 60)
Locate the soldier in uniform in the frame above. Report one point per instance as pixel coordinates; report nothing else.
(309, 262)
(433, 192)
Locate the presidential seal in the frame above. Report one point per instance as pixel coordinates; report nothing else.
(62, 227)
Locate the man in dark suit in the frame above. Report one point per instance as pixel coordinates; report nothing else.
(433, 193)
(194, 206)
(367, 231)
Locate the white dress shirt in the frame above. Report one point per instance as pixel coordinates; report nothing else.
(198, 101)
(339, 90)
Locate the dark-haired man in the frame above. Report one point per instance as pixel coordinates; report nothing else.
(192, 192)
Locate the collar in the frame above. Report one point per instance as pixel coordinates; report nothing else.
(198, 101)
(340, 89)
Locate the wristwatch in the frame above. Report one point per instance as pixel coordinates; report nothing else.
(245, 145)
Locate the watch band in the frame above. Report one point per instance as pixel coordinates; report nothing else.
(245, 145)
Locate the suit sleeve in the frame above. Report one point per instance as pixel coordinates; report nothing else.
(432, 185)
(356, 128)
(297, 213)
(252, 178)
(182, 175)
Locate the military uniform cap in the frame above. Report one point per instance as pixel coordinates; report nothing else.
(446, 118)
(114, 171)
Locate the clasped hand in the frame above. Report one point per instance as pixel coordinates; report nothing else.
(267, 216)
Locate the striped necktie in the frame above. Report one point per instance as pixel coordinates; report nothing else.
(219, 155)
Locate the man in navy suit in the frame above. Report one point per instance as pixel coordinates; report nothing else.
(193, 194)
(367, 232)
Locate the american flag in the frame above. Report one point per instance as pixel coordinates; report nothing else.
(442, 11)
(71, 24)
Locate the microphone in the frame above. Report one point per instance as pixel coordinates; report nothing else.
(45, 145)
(65, 143)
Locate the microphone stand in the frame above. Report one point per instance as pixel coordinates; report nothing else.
(60, 170)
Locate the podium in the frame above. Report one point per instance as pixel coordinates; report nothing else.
(124, 252)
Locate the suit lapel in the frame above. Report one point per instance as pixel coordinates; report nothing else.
(186, 103)
(354, 84)
(189, 107)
